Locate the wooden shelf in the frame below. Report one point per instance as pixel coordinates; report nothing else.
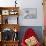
(9, 8)
(11, 26)
(9, 43)
(4, 24)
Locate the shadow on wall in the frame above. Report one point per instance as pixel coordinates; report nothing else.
(37, 29)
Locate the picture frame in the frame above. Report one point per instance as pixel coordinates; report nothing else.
(5, 12)
(30, 13)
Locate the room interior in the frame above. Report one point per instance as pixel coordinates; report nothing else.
(17, 16)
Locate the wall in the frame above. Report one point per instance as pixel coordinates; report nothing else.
(7, 3)
(32, 4)
(27, 4)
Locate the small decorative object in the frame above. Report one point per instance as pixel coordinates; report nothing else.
(6, 21)
(15, 12)
(5, 12)
(15, 34)
(15, 3)
(15, 30)
(30, 13)
(12, 12)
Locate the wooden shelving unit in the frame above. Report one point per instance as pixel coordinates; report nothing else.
(5, 13)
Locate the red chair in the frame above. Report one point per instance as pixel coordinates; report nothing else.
(29, 33)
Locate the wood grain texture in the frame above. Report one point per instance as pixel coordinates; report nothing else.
(10, 26)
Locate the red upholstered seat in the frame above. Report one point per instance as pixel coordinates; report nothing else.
(29, 33)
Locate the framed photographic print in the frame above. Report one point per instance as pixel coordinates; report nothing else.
(30, 13)
(5, 12)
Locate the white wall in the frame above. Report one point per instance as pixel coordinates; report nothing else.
(6, 3)
(32, 4)
(27, 4)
